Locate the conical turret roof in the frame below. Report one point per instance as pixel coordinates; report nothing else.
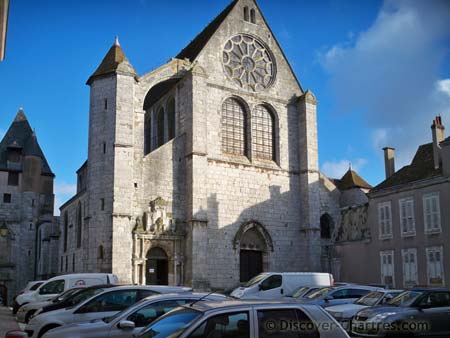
(21, 136)
(114, 62)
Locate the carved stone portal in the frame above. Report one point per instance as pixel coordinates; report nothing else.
(156, 220)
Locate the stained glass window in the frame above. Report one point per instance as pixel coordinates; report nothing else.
(233, 127)
(262, 133)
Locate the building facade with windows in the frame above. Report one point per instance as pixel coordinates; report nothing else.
(408, 222)
(203, 171)
(28, 231)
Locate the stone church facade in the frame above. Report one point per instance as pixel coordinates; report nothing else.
(204, 171)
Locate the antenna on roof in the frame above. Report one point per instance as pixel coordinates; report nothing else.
(200, 299)
(350, 166)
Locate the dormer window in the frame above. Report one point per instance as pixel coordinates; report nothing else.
(14, 153)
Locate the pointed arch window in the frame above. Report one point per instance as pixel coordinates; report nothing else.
(79, 225)
(263, 137)
(171, 118)
(233, 127)
(160, 127)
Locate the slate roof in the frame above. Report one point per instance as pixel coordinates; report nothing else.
(350, 180)
(421, 168)
(21, 136)
(192, 50)
(110, 63)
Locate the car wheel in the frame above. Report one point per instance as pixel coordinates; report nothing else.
(46, 329)
(28, 315)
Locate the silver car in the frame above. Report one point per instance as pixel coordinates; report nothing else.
(245, 319)
(105, 304)
(26, 311)
(130, 321)
(345, 312)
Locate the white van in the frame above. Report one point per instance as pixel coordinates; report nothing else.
(56, 285)
(274, 285)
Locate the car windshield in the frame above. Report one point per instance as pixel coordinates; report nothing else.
(35, 286)
(171, 325)
(65, 295)
(299, 292)
(254, 280)
(405, 298)
(119, 314)
(370, 299)
(319, 293)
(82, 296)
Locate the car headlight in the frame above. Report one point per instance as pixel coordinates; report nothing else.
(381, 316)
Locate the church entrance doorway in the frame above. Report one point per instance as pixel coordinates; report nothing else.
(157, 267)
(251, 264)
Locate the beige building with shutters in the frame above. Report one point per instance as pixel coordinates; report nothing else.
(406, 234)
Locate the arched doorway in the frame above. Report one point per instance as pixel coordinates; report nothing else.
(253, 242)
(157, 267)
(326, 226)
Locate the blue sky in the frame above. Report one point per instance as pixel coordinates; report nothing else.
(380, 69)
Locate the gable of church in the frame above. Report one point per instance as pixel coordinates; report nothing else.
(238, 50)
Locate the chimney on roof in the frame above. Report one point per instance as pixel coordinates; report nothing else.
(389, 161)
(438, 132)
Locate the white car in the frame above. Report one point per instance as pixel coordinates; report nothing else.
(345, 312)
(276, 285)
(104, 304)
(131, 321)
(56, 285)
(26, 311)
(31, 286)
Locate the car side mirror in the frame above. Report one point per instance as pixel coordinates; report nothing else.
(126, 325)
(260, 287)
(328, 298)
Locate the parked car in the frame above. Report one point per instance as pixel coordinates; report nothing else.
(274, 285)
(337, 295)
(26, 311)
(31, 286)
(245, 319)
(345, 312)
(104, 304)
(417, 312)
(69, 298)
(57, 285)
(130, 321)
(302, 291)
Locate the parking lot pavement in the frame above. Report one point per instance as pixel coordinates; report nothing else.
(7, 321)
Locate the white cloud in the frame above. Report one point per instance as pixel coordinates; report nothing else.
(337, 169)
(444, 86)
(63, 191)
(390, 73)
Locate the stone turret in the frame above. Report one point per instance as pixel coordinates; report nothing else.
(110, 156)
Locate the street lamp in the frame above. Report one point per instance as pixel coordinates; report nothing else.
(4, 231)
